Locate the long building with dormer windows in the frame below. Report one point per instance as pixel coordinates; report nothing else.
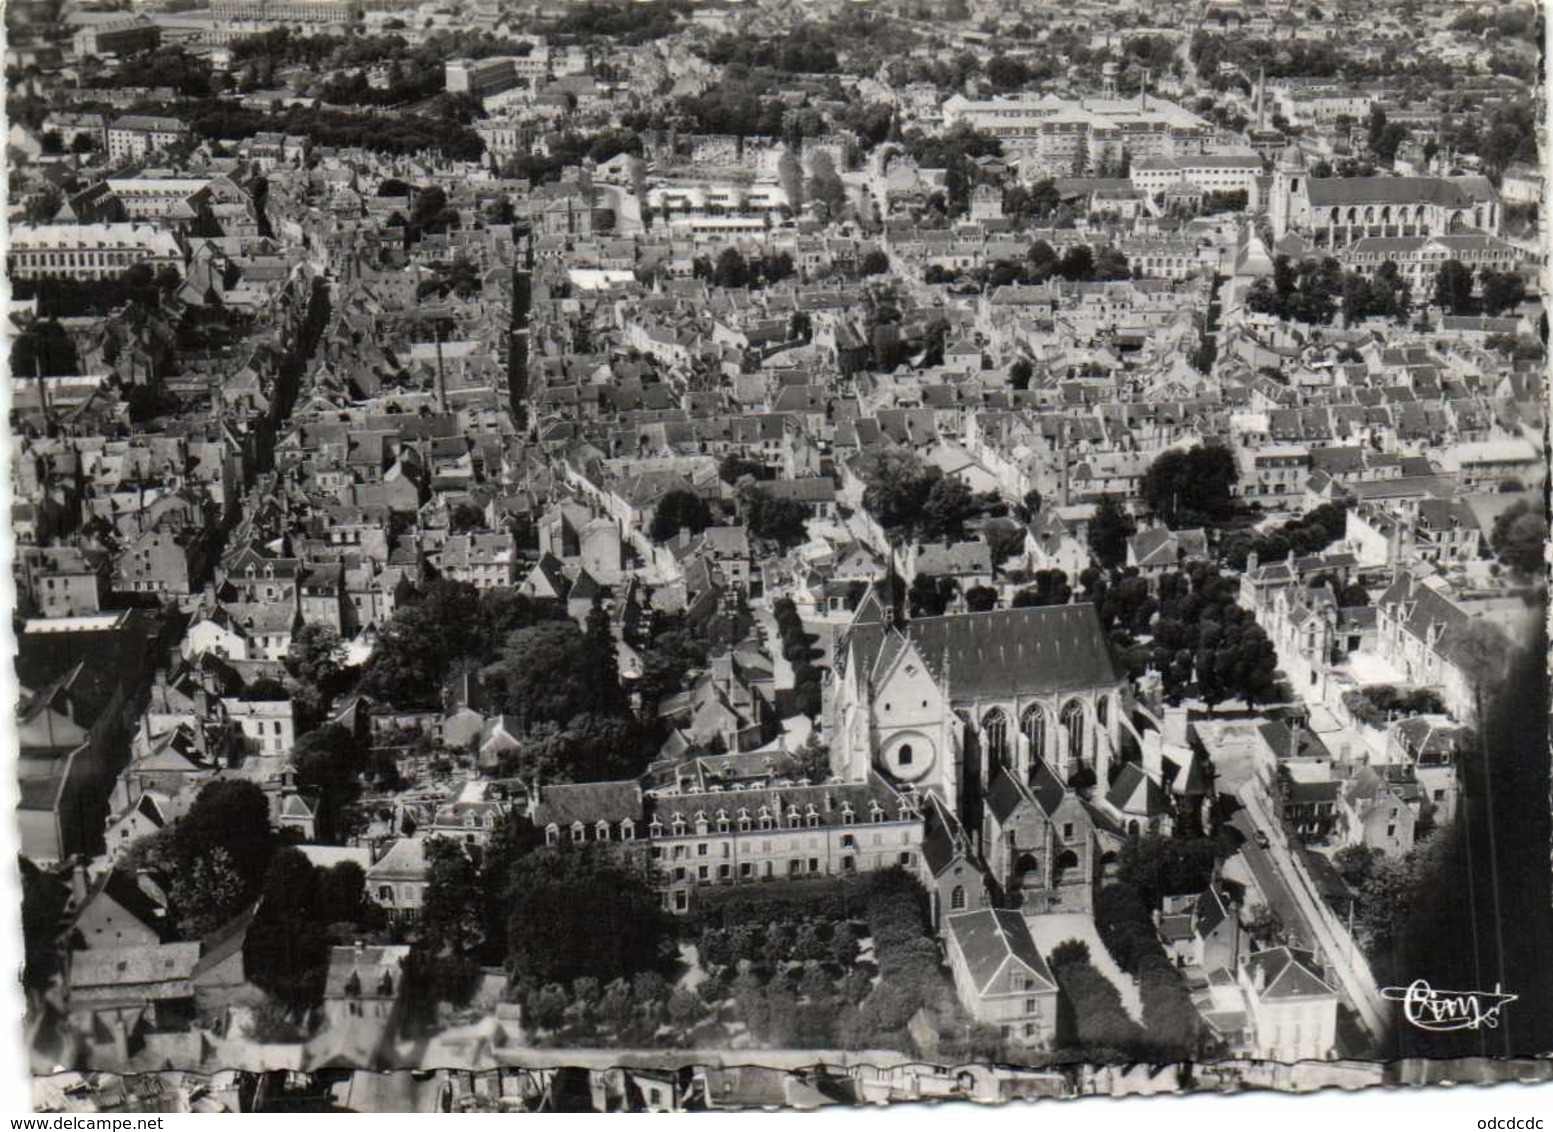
(705, 838)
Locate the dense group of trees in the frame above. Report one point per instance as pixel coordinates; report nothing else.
(809, 49)
(1490, 292)
(1192, 487)
(913, 500)
(448, 624)
(1384, 137)
(43, 349)
(955, 152)
(1308, 292)
(679, 510)
(223, 120)
(1151, 868)
(1519, 538)
(582, 912)
(781, 521)
(216, 857)
(800, 940)
(222, 860)
(188, 75)
(302, 910)
(931, 596)
(1386, 295)
(743, 104)
(910, 976)
(1311, 533)
(576, 730)
(1109, 529)
(591, 731)
(731, 270)
(1080, 263)
(1246, 55)
(642, 22)
(1194, 634)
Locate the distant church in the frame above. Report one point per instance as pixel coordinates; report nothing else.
(1334, 212)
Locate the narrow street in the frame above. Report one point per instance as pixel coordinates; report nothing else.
(1305, 915)
(781, 670)
(1268, 878)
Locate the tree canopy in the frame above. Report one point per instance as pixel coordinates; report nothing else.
(679, 509)
(1519, 538)
(581, 912)
(1109, 531)
(1191, 487)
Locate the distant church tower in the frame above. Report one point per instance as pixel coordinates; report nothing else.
(1289, 177)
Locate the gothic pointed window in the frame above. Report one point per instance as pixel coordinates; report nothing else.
(1073, 722)
(1033, 726)
(994, 726)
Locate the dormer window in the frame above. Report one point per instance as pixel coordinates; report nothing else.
(579, 833)
(552, 834)
(876, 812)
(655, 830)
(847, 816)
(627, 830)
(678, 826)
(601, 831)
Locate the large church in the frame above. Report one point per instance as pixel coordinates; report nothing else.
(941, 703)
(1334, 212)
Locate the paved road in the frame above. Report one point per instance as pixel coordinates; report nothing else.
(781, 670)
(1270, 880)
(1304, 913)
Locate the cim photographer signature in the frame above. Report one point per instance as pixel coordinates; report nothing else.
(1441, 1011)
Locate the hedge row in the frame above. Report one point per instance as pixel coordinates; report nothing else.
(1098, 1021)
(782, 941)
(829, 898)
(1127, 928)
(797, 649)
(910, 966)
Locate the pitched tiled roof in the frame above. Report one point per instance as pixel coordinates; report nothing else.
(1209, 912)
(1001, 652)
(1134, 792)
(588, 802)
(989, 939)
(1289, 974)
(1325, 192)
